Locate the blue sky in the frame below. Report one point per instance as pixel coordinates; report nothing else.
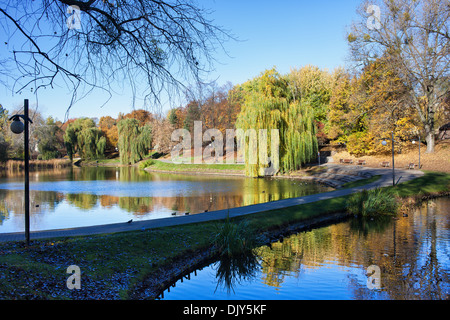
(284, 33)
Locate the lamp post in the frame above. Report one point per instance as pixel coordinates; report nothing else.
(414, 142)
(18, 127)
(384, 143)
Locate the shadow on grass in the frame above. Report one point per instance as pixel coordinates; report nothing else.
(430, 183)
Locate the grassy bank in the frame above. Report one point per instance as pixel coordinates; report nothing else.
(359, 183)
(114, 266)
(102, 162)
(156, 165)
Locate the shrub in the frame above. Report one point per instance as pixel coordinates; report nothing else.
(234, 239)
(146, 163)
(372, 203)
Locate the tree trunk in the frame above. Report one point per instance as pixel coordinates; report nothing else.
(432, 103)
(430, 139)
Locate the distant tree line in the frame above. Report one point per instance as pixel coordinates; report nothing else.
(399, 83)
(310, 106)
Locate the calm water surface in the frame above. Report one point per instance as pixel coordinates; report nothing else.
(331, 263)
(86, 196)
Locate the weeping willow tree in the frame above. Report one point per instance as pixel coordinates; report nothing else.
(134, 141)
(84, 138)
(285, 130)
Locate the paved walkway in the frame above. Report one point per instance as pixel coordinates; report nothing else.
(385, 180)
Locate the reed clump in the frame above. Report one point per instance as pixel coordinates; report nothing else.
(373, 203)
(36, 164)
(233, 239)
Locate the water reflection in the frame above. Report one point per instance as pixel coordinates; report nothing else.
(231, 271)
(331, 262)
(74, 197)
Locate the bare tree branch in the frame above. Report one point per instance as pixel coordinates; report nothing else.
(152, 46)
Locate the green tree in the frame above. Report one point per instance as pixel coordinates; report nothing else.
(313, 86)
(84, 138)
(193, 113)
(172, 117)
(269, 104)
(48, 140)
(134, 141)
(3, 142)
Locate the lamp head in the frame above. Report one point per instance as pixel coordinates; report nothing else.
(17, 126)
(384, 143)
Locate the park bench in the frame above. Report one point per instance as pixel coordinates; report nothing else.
(411, 166)
(346, 161)
(385, 164)
(361, 162)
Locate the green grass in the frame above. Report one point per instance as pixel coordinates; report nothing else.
(168, 166)
(360, 183)
(134, 255)
(373, 203)
(113, 264)
(430, 183)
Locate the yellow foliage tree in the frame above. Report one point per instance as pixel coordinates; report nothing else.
(367, 108)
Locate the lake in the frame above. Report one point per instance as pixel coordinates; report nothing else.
(76, 197)
(403, 259)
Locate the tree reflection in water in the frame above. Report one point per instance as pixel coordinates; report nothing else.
(331, 262)
(231, 271)
(102, 195)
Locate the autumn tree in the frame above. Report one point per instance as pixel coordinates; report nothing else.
(208, 103)
(413, 36)
(162, 129)
(108, 126)
(368, 107)
(313, 86)
(216, 111)
(384, 100)
(341, 122)
(141, 115)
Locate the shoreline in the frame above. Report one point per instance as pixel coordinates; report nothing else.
(179, 263)
(212, 172)
(152, 287)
